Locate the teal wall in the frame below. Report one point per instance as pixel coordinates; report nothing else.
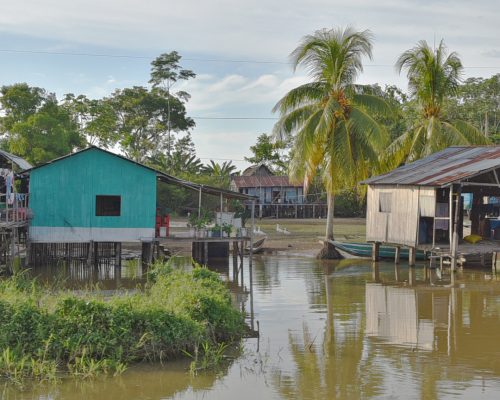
(63, 194)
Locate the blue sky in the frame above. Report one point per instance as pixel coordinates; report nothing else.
(262, 32)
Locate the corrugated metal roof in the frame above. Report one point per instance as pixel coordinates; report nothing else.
(262, 181)
(450, 165)
(161, 176)
(20, 162)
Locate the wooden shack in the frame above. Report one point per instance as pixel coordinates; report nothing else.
(420, 204)
(86, 204)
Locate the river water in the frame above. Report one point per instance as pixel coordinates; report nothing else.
(339, 330)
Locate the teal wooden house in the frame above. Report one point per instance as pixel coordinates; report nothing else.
(92, 195)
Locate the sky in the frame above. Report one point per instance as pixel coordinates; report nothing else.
(239, 50)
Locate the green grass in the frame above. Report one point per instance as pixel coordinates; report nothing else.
(46, 332)
(349, 229)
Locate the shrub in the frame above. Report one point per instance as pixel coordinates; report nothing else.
(85, 335)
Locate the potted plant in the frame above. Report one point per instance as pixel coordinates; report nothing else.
(216, 230)
(226, 229)
(199, 223)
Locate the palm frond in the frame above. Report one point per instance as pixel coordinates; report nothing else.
(306, 94)
(374, 104)
(289, 123)
(368, 129)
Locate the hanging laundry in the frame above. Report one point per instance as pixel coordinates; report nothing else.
(9, 186)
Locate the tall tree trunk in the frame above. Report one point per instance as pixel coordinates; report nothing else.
(329, 252)
(486, 127)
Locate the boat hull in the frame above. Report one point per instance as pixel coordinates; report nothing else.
(364, 250)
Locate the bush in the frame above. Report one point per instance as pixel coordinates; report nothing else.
(85, 335)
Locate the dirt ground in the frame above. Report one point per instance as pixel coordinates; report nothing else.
(303, 237)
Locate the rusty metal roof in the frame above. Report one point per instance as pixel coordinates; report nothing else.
(262, 181)
(451, 165)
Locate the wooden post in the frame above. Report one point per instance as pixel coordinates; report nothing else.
(205, 253)
(495, 262)
(375, 272)
(90, 253)
(252, 215)
(118, 254)
(199, 202)
(412, 255)
(454, 245)
(375, 251)
(397, 272)
(397, 255)
(147, 253)
(412, 276)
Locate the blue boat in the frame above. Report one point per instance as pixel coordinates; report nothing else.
(364, 250)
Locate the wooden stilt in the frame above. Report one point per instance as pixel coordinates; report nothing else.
(412, 256)
(90, 253)
(375, 251)
(375, 272)
(205, 253)
(397, 255)
(118, 254)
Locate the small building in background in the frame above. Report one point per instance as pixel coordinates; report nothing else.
(277, 196)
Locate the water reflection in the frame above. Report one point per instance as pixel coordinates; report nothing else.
(343, 330)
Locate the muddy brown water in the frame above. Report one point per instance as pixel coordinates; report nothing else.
(342, 330)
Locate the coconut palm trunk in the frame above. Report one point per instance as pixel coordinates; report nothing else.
(329, 251)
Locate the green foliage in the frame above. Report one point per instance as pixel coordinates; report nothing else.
(433, 78)
(477, 102)
(329, 120)
(45, 333)
(211, 357)
(145, 118)
(95, 118)
(221, 172)
(35, 126)
(350, 204)
(205, 218)
(182, 160)
(267, 151)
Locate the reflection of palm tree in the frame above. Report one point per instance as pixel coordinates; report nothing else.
(330, 370)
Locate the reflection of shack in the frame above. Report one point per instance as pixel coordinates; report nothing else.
(392, 315)
(459, 322)
(416, 205)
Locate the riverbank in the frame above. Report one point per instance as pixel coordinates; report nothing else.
(47, 332)
(303, 237)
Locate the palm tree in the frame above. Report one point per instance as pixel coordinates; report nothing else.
(222, 171)
(328, 119)
(433, 76)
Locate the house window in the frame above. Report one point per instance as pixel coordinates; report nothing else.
(385, 202)
(108, 206)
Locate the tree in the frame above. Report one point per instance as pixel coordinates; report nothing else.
(478, 102)
(95, 119)
(222, 172)
(35, 126)
(142, 118)
(165, 72)
(182, 162)
(433, 77)
(328, 119)
(267, 151)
